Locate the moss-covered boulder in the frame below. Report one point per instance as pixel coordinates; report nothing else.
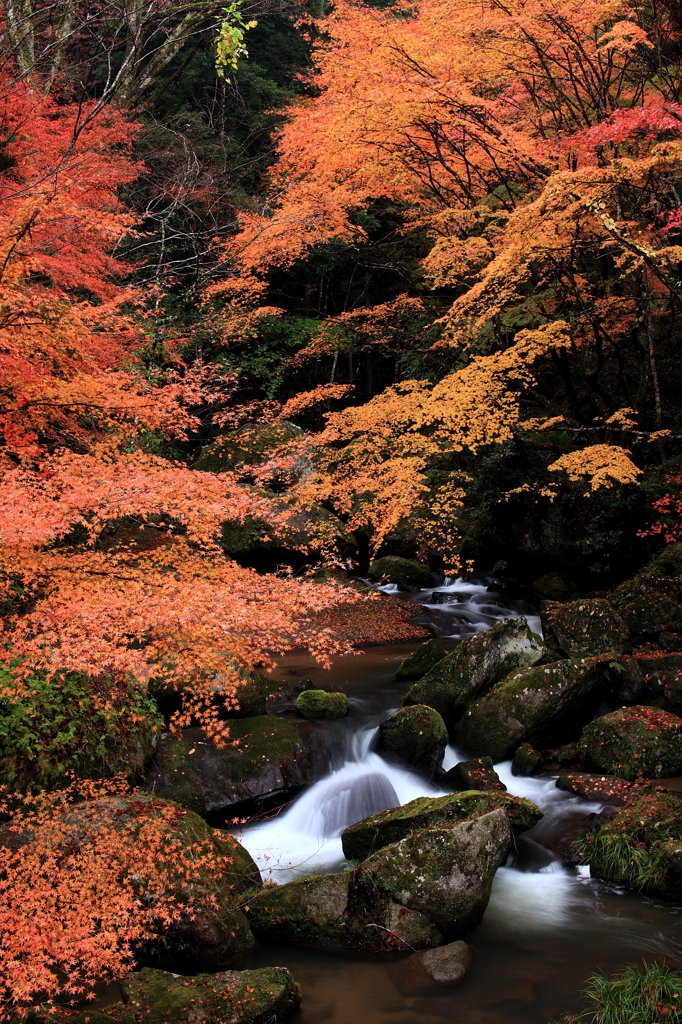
(421, 661)
(554, 587)
(403, 571)
(479, 662)
(74, 724)
(526, 760)
(642, 846)
(266, 996)
(545, 706)
(246, 446)
(366, 837)
(648, 606)
(251, 697)
(432, 885)
(603, 789)
(320, 704)
(478, 773)
(586, 628)
(272, 759)
(662, 675)
(634, 743)
(416, 736)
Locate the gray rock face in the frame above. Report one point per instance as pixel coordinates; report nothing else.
(272, 760)
(545, 706)
(432, 885)
(478, 663)
(446, 965)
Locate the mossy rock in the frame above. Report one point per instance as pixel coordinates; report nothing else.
(662, 681)
(74, 724)
(603, 789)
(403, 571)
(271, 759)
(246, 446)
(431, 885)
(421, 661)
(545, 706)
(479, 662)
(477, 773)
(554, 587)
(415, 735)
(266, 996)
(366, 837)
(634, 743)
(642, 846)
(526, 760)
(587, 628)
(318, 704)
(667, 564)
(648, 606)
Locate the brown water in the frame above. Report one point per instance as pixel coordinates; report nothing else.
(544, 933)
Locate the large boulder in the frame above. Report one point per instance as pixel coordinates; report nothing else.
(318, 704)
(416, 736)
(366, 837)
(545, 706)
(478, 773)
(421, 661)
(479, 662)
(634, 743)
(642, 846)
(662, 675)
(248, 445)
(585, 628)
(266, 996)
(648, 606)
(402, 571)
(272, 760)
(432, 885)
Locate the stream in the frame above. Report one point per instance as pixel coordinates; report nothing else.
(546, 928)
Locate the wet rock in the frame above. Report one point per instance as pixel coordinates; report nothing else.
(266, 996)
(526, 760)
(567, 753)
(478, 773)
(569, 843)
(634, 742)
(642, 846)
(670, 641)
(403, 571)
(599, 788)
(366, 837)
(431, 885)
(416, 736)
(272, 760)
(554, 587)
(421, 661)
(662, 677)
(479, 662)
(646, 608)
(544, 706)
(586, 628)
(318, 704)
(446, 965)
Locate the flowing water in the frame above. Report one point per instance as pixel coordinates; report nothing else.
(545, 930)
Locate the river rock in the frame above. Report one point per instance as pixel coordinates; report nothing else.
(478, 773)
(642, 846)
(421, 661)
(545, 706)
(526, 760)
(446, 965)
(432, 885)
(318, 704)
(646, 608)
(662, 675)
(479, 662)
(586, 628)
(266, 996)
(598, 788)
(416, 736)
(634, 742)
(366, 837)
(402, 571)
(273, 760)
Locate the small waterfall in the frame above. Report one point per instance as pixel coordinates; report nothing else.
(351, 800)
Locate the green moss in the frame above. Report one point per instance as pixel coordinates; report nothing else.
(94, 728)
(421, 661)
(392, 569)
(634, 742)
(320, 704)
(526, 760)
(416, 735)
(646, 994)
(648, 605)
(587, 628)
(246, 446)
(366, 837)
